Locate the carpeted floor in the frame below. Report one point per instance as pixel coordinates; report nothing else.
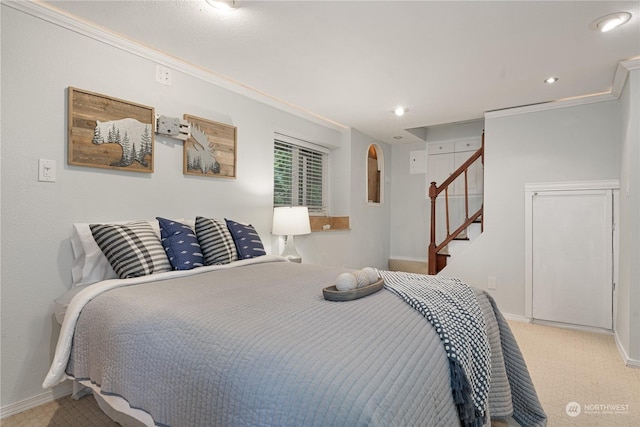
(580, 378)
(580, 373)
(64, 412)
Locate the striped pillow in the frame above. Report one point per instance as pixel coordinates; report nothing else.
(216, 241)
(133, 249)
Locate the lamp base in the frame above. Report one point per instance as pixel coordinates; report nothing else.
(290, 252)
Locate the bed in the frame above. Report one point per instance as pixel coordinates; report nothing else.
(252, 342)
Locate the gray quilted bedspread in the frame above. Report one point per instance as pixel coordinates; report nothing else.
(259, 346)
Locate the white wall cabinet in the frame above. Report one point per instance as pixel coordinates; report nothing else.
(444, 158)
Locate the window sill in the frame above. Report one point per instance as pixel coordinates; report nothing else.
(329, 223)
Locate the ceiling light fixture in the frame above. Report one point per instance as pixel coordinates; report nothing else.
(609, 22)
(551, 80)
(225, 4)
(400, 111)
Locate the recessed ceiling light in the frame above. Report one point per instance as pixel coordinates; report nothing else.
(551, 80)
(225, 4)
(400, 111)
(609, 22)
(397, 137)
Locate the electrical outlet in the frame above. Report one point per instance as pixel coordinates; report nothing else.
(491, 283)
(163, 75)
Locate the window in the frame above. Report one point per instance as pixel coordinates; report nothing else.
(299, 174)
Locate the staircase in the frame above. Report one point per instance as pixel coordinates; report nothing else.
(465, 229)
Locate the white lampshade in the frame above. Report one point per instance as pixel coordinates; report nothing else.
(291, 221)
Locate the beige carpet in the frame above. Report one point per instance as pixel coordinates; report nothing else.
(64, 412)
(583, 370)
(579, 369)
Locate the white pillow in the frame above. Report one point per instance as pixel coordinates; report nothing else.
(190, 222)
(62, 302)
(90, 265)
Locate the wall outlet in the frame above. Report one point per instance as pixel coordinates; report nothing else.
(491, 283)
(163, 75)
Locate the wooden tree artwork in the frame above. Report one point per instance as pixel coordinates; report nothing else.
(109, 133)
(210, 149)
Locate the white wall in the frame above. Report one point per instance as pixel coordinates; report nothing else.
(564, 144)
(588, 142)
(409, 207)
(39, 61)
(367, 241)
(628, 286)
(369, 222)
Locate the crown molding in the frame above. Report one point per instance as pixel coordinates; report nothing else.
(622, 71)
(49, 13)
(551, 105)
(619, 80)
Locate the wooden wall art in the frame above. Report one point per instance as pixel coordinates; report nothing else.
(210, 149)
(110, 133)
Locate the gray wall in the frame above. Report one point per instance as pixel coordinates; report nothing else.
(39, 61)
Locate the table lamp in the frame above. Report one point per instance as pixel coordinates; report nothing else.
(291, 221)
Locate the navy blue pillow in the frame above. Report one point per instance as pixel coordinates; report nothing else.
(181, 245)
(247, 240)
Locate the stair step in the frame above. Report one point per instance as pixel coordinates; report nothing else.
(441, 261)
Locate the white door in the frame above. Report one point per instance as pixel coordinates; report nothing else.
(572, 280)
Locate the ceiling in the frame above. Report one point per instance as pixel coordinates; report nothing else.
(352, 62)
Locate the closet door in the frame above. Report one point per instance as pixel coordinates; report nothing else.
(572, 257)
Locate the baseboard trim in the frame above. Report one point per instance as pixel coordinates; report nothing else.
(516, 318)
(632, 363)
(410, 266)
(404, 258)
(50, 395)
(572, 326)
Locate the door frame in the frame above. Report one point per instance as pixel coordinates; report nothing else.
(529, 190)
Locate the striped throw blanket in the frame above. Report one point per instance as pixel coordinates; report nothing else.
(451, 307)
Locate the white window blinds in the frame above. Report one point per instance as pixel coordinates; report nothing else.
(300, 174)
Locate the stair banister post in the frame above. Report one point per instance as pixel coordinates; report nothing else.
(431, 262)
(466, 194)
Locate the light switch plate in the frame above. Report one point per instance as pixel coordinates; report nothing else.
(46, 170)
